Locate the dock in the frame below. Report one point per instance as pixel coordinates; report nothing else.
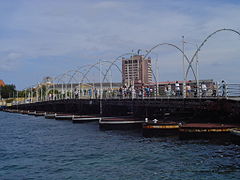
(32, 113)
(50, 115)
(124, 123)
(205, 130)
(85, 118)
(160, 128)
(40, 113)
(64, 116)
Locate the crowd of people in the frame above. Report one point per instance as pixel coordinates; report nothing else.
(169, 90)
(213, 89)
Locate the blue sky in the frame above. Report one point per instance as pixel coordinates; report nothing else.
(49, 37)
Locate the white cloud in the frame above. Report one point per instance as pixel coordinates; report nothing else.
(9, 61)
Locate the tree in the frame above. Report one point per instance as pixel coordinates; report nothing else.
(8, 91)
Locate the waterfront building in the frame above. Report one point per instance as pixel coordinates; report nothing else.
(136, 70)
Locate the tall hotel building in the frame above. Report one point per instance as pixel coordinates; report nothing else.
(136, 70)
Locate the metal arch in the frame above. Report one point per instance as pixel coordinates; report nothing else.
(78, 70)
(68, 73)
(60, 79)
(114, 62)
(205, 40)
(64, 75)
(93, 66)
(169, 44)
(111, 64)
(70, 77)
(75, 72)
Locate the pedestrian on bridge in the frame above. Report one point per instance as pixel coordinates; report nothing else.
(169, 89)
(177, 89)
(214, 89)
(224, 88)
(204, 89)
(188, 88)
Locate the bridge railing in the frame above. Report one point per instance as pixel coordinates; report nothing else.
(223, 90)
(233, 90)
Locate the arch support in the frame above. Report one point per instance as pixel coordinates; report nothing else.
(176, 47)
(203, 43)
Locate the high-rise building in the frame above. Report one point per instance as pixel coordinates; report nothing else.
(136, 70)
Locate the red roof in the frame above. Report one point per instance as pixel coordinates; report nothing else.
(2, 83)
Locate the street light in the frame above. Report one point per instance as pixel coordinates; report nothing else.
(156, 70)
(101, 88)
(133, 77)
(183, 64)
(197, 67)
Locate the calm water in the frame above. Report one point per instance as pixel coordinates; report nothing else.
(37, 148)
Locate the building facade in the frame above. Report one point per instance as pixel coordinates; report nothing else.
(136, 70)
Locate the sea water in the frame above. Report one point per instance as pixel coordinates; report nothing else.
(38, 148)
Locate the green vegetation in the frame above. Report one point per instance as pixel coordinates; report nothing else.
(8, 91)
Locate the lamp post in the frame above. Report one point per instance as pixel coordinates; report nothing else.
(53, 90)
(17, 99)
(100, 77)
(31, 94)
(101, 88)
(41, 92)
(71, 95)
(37, 97)
(183, 64)
(156, 70)
(197, 73)
(197, 68)
(133, 79)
